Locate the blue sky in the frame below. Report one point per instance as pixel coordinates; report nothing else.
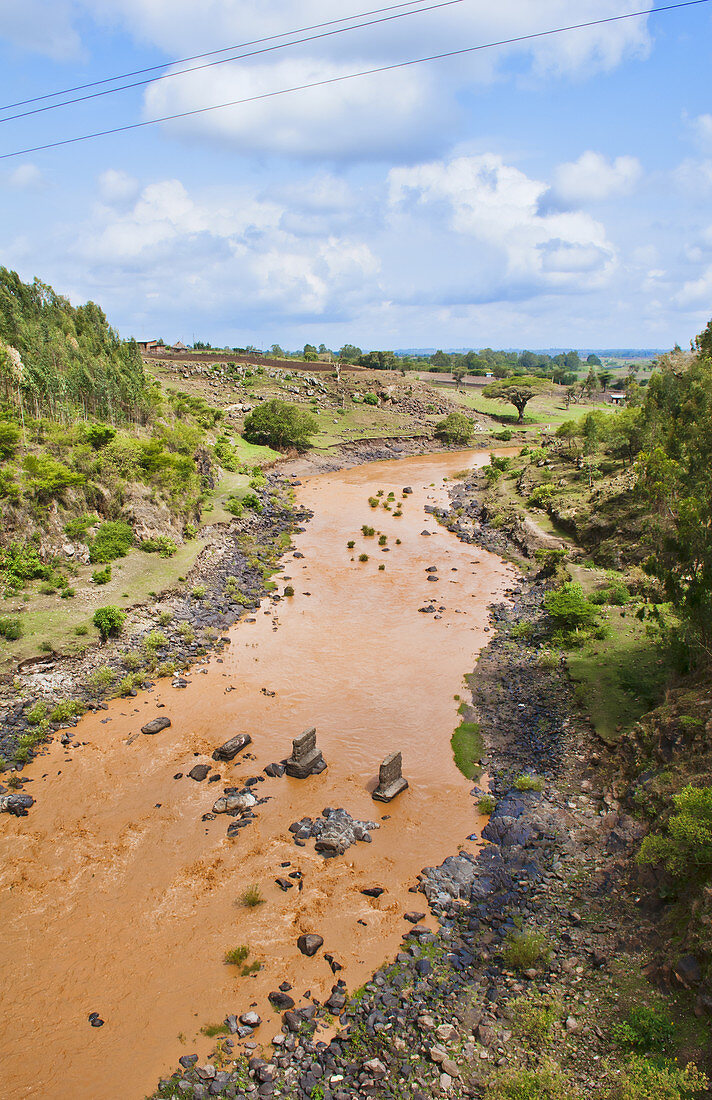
(553, 193)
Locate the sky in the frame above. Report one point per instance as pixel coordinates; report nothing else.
(552, 192)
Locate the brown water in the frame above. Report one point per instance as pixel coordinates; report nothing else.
(116, 898)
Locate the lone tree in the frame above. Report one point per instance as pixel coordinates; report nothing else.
(279, 425)
(455, 428)
(109, 621)
(517, 391)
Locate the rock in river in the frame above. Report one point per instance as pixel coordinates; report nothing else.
(156, 725)
(199, 772)
(309, 944)
(230, 749)
(235, 802)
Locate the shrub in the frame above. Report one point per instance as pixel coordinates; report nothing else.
(113, 540)
(363, 557)
(526, 782)
(541, 497)
(20, 563)
(102, 677)
(237, 955)
(252, 968)
(505, 436)
(641, 1079)
(645, 1030)
(234, 507)
(162, 545)
(455, 428)
(81, 630)
(211, 1030)
(685, 848)
(373, 501)
(78, 526)
(251, 896)
(486, 804)
(251, 500)
(9, 437)
(367, 531)
(68, 593)
(10, 628)
(47, 478)
(534, 1016)
(165, 617)
(381, 568)
(289, 590)
(370, 399)
(154, 641)
(98, 435)
(523, 950)
(69, 708)
(109, 621)
(570, 609)
(102, 576)
(350, 544)
(280, 425)
(382, 540)
(199, 591)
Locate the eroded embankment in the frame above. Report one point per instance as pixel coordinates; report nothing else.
(120, 899)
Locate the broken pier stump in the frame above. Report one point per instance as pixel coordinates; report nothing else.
(306, 758)
(390, 779)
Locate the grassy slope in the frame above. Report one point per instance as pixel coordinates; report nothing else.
(543, 410)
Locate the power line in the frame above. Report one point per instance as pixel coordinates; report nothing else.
(350, 76)
(209, 53)
(225, 60)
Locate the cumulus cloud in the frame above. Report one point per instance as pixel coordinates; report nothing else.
(116, 186)
(497, 207)
(593, 178)
(696, 293)
(407, 114)
(26, 177)
(701, 127)
(694, 177)
(221, 249)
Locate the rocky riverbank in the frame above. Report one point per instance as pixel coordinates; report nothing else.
(539, 936)
(161, 638)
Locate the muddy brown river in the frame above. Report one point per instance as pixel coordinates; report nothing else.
(116, 898)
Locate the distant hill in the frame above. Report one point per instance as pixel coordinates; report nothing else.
(619, 353)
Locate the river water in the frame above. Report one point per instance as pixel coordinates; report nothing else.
(116, 898)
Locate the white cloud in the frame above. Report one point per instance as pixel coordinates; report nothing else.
(701, 127)
(593, 178)
(497, 206)
(697, 293)
(41, 27)
(406, 114)
(333, 122)
(694, 177)
(26, 177)
(117, 187)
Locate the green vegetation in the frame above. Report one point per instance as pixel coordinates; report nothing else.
(363, 557)
(525, 950)
(280, 425)
(546, 1082)
(573, 614)
(251, 896)
(113, 540)
(685, 848)
(534, 1017)
(467, 748)
(237, 955)
(526, 782)
(643, 1079)
(486, 804)
(10, 628)
(517, 390)
(454, 428)
(102, 576)
(162, 545)
(109, 621)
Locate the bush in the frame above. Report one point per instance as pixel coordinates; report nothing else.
(363, 557)
(10, 628)
(455, 428)
(102, 677)
(234, 507)
(646, 1030)
(641, 1079)
(9, 437)
(251, 897)
(251, 500)
(367, 531)
(523, 950)
(486, 804)
(685, 849)
(570, 609)
(199, 591)
(98, 435)
(78, 526)
(280, 425)
(67, 594)
(370, 399)
(526, 782)
(533, 1018)
(289, 591)
(350, 544)
(20, 563)
(154, 641)
(109, 621)
(237, 955)
(102, 576)
(47, 478)
(382, 540)
(113, 540)
(541, 497)
(161, 544)
(373, 501)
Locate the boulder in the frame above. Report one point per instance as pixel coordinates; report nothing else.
(230, 749)
(156, 725)
(232, 803)
(199, 772)
(309, 944)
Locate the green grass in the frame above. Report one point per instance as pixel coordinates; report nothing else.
(133, 578)
(237, 955)
(545, 409)
(361, 422)
(230, 484)
(253, 453)
(621, 676)
(467, 748)
(251, 896)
